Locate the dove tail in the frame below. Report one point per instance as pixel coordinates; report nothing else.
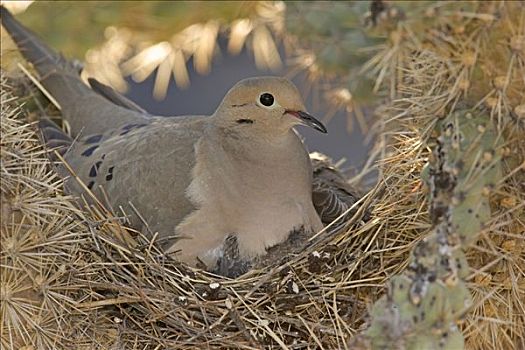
(85, 110)
(60, 77)
(44, 59)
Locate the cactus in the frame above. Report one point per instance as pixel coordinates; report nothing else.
(365, 48)
(422, 306)
(334, 38)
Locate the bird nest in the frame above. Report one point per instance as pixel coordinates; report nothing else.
(80, 279)
(73, 279)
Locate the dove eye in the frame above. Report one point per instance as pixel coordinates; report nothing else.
(266, 99)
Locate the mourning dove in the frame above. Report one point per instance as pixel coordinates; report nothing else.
(333, 198)
(242, 172)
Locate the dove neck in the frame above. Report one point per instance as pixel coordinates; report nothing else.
(253, 131)
(250, 143)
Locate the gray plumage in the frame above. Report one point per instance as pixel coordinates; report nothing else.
(331, 193)
(61, 78)
(196, 180)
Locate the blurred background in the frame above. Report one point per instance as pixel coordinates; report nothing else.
(205, 92)
(177, 58)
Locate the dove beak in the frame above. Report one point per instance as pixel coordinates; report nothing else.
(308, 120)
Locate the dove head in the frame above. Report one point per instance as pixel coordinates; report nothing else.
(264, 105)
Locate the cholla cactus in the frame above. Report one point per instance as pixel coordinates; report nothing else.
(455, 55)
(422, 306)
(35, 215)
(366, 48)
